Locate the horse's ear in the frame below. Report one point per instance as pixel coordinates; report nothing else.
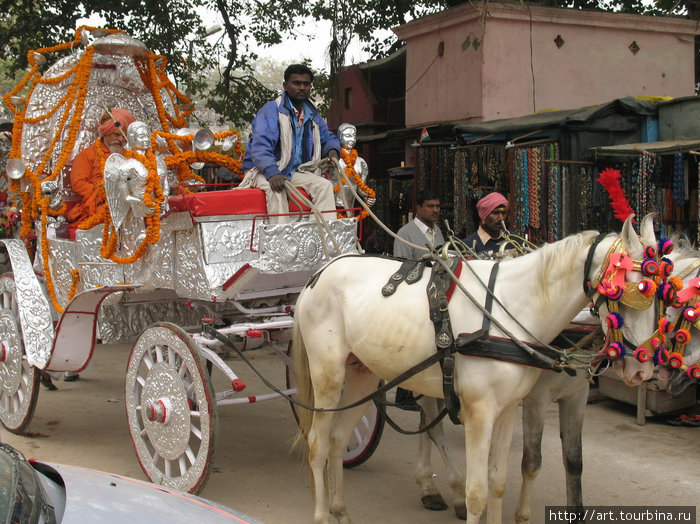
(646, 230)
(629, 236)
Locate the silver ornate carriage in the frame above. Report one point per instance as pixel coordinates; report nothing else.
(216, 260)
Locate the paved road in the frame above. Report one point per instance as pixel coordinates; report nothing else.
(84, 423)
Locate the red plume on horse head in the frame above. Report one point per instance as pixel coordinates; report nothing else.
(610, 179)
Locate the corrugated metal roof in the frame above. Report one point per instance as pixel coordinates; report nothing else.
(668, 147)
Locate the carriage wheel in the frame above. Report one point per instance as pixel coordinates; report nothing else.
(19, 381)
(366, 434)
(171, 408)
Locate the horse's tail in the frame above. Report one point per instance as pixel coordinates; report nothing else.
(305, 392)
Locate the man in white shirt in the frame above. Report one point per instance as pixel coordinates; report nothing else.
(422, 229)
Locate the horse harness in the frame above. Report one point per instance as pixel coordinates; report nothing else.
(439, 291)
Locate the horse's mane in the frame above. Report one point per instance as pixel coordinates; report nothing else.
(556, 257)
(683, 247)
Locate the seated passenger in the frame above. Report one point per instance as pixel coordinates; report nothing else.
(289, 137)
(86, 173)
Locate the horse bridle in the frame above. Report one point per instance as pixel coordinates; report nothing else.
(657, 287)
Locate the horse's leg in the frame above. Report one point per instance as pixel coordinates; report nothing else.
(431, 498)
(359, 382)
(571, 412)
(327, 393)
(478, 418)
(498, 462)
(534, 409)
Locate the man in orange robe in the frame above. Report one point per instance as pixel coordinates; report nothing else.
(86, 175)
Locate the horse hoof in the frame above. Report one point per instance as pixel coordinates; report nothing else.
(461, 511)
(434, 502)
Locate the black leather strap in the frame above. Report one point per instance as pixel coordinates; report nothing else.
(587, 289)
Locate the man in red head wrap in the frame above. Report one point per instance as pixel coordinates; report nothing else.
(86, 175)
(492, 209)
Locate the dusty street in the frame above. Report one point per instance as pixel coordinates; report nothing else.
(84, 423)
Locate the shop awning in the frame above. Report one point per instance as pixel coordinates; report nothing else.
(665, 147)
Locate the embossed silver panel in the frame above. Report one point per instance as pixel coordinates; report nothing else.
(115, 83)
(227, 241)
(298, 246)
(34, 311)
(62, 261)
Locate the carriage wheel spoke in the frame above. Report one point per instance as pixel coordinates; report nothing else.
(159, 353)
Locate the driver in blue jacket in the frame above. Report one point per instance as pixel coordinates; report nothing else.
(288, 139)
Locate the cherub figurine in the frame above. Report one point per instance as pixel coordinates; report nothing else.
(125, 179)
(347, 133)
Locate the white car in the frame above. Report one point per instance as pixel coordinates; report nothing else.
(45, 493)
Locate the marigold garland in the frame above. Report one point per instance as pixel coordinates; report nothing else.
(69, 112)
(349, 156)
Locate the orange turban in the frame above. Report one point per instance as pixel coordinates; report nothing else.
(121, 119)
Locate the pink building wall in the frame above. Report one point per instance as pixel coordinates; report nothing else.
(518, 68)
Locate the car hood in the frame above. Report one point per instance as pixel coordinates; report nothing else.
(95, 496)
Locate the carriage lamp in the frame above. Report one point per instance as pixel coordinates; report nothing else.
(159, 411)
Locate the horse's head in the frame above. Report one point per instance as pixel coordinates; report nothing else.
(624, 288)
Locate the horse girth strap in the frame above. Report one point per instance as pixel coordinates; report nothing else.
(437, 290)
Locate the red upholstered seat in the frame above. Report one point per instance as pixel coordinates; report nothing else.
(228, 202)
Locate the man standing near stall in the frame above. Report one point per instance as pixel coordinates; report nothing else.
(493, 210)
(422, 230)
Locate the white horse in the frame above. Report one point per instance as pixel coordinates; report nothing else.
(571, 395)
(340, 314)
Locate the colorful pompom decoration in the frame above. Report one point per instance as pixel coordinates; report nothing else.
(614, 292)
(665, 245)
(675, 360)
(650, 267)
(677, 304)
(661, 356)
(616, 350)
(650, 252)
(682, 336)
(647, 287)
(665, 326)
(676, 283)
(614, 321)
(693, 372)
(665, 268)
(642, 354)
(690, 313)
(666, 292)
(656, 342)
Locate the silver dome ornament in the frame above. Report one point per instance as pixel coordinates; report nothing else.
(15, 168)
(119, 44)
(229, 142)
(39, 59)
(203, 139)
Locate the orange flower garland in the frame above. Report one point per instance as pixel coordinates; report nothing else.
(68, 113)
(349, 156)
